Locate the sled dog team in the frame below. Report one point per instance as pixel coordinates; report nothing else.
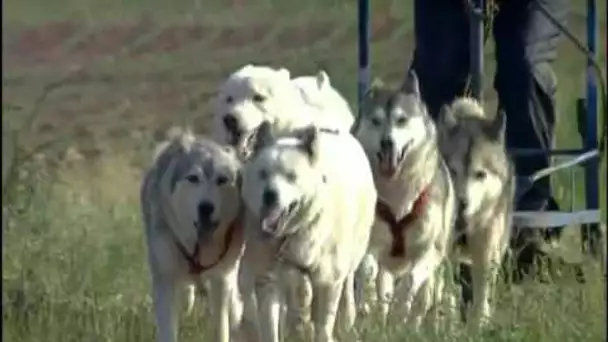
(292, 209)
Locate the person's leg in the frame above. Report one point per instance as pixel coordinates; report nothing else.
(441, 56)
(526, 45)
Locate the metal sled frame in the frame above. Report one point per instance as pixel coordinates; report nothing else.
(589, 219)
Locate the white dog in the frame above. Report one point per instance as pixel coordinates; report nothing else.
(255, 93)
(192, 216)
(308, 213)
(318, 91)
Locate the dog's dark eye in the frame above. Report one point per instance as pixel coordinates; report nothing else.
(229, 99)
(291, 176)
(401, 121)
(193, 179)
(221, 180)
(376, 122)
(258, 98)
(479, 175)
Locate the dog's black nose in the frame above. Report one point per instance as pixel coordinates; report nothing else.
(462, 203)
(270, 198)
(231, 123)
(386, 144)
(205, 210)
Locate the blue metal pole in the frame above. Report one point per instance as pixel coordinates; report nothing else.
(476, 48)
(364, 50)
(590, 139)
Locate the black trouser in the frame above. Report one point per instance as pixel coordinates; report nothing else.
(526, 44)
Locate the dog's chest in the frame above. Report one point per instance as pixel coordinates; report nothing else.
(415, 241)
(402, 237)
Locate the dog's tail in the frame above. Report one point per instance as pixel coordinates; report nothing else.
(467, 107)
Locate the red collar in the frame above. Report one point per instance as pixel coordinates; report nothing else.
(398, 227)
(194, 264)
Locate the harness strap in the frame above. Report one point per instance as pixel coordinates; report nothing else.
(398, 228)
(194, 265)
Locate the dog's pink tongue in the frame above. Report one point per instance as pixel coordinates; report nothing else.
(271, 221)
(387, 167)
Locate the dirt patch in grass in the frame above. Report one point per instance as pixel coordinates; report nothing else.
(240, 37)
(294, 37)
(110, 40)
(173, 38)
(41, 43)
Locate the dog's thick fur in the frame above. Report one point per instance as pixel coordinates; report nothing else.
(256, 93)
(310, 206)
(190, 196)
(474, 150)
(400, 141)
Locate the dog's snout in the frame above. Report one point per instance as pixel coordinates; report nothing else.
(462, 202)
(270, 197)
(205, 210)
(386, 144)
(231, 123)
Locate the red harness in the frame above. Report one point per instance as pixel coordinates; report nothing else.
(398, 228)
(194, 265)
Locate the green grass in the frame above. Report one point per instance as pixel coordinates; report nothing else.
(73, 256)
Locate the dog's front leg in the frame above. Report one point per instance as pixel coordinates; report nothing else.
(299, 301)
(484, 271)
(221, 295)
(365, 278)
(325, 307)
(250, 321)
(385, 287)
(422, 304)
(164, 289)
(348, 311)
(269, 301)
(418, 276)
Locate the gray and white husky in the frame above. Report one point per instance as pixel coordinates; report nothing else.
(416, 201)
(190, 201)
(473, 147)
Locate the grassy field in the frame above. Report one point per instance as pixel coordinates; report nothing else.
(89, 85)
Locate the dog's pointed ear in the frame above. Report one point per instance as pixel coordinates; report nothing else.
(284, 73)
(245, 68)
(309, 137)
(322, 79)
(171, 155)
(376, 85)
(498, 126)
(411, 85)
(262, 137)
(447, 119)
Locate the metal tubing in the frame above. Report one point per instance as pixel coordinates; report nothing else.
(364, 50)
(591, 232)
(476, 48)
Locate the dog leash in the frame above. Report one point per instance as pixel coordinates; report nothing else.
(525, 183)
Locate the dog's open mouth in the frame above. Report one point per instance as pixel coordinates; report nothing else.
(243, 143)
(389, 161)
(204, 229)
(274, 220)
